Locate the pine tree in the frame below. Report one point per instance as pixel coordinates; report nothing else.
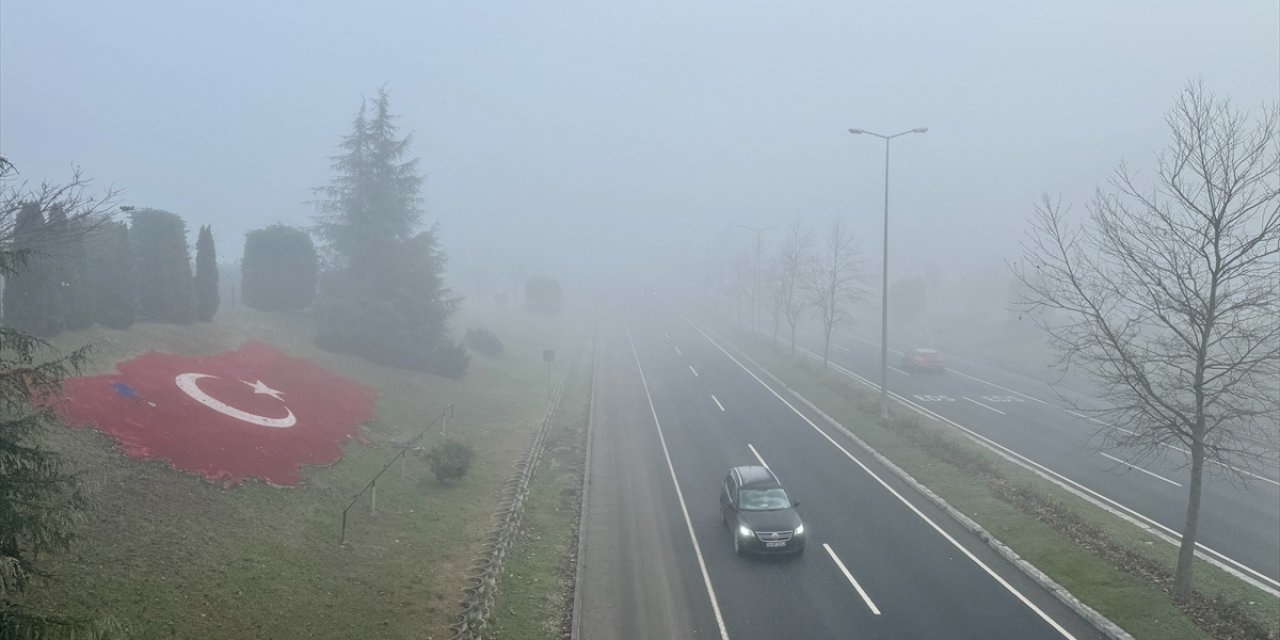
(40, 504)
(206, 279)
(385, 299)
(163, 266)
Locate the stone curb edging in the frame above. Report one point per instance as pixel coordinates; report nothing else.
(486, 570)
(1100, 622)
(575, 632)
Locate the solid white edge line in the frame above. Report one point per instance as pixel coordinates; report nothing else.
(1099, 422)
(1137, 468)
(695, 371)
(684, 510)
(717, 401)
(874, 344)
(984, 406)
(942, 532)
(1222, 561)
(757, 455)
(845, 570)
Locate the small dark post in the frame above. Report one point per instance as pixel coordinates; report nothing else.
(548, 356)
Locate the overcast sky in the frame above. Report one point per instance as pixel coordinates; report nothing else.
(563, 134)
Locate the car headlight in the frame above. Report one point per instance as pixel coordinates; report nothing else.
(800, 530)
(744, 531)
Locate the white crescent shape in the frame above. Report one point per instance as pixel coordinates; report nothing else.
(187, 382)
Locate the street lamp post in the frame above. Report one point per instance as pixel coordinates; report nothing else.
(884, 291)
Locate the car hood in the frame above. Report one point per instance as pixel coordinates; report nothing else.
(779, 520)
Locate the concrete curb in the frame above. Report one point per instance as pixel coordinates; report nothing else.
(1100, 622)
(575, 629)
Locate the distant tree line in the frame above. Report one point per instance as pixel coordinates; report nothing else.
(83, 270)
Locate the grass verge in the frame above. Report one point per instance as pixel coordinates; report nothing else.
(1105, 562)
(170, 555)
(535, 594)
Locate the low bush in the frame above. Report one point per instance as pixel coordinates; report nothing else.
(484, 341)
(450, 460)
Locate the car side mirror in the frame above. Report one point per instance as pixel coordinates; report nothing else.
(795, 504)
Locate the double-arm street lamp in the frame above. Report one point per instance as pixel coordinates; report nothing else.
(884, 295)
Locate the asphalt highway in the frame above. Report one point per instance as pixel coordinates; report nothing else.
(1026, 417)
(673, 412)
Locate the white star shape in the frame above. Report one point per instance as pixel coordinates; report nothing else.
(260, 387)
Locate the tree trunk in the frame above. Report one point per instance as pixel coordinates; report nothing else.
(826, 346)
(793, 338)
(1186, 552)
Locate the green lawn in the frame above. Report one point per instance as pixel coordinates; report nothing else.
(535, 594)
(945, 462)
(172, 555)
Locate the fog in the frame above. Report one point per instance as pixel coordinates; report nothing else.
(560, 137)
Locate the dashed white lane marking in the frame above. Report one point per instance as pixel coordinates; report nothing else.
(757, 455)
(678, 351)
(1137, 468)
(907, 503)
(717, 401)
(684, 509)
(667, 335)
(897, 370)
(845, 570)
(984, 406)
(842, 347)
(695, 371)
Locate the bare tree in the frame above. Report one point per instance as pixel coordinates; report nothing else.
(1168, 297)
(836, 281)
(794, 257)
(84, 212)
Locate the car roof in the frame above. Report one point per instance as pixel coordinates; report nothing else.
(756, 476)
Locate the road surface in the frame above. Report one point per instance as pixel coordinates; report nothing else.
(673, 413)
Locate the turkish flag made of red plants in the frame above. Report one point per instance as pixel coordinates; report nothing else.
(251, 412)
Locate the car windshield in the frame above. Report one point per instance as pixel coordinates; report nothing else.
(764, 499)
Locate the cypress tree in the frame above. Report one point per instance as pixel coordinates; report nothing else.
(32, 296)
(279, 269)
(163, 266)
(113, 280)
(206, 279)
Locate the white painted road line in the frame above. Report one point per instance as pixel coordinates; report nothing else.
(984, 406)
(678, 351)
(717, 401)
(1137, 468)
(897, 370)
(874, 344)
(697, 549)
(757, 455)
(1169, 535)
(695, 371)
(842, 347)
(894, 492)
(1002, 388)
(667, 335)
(845, 570)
